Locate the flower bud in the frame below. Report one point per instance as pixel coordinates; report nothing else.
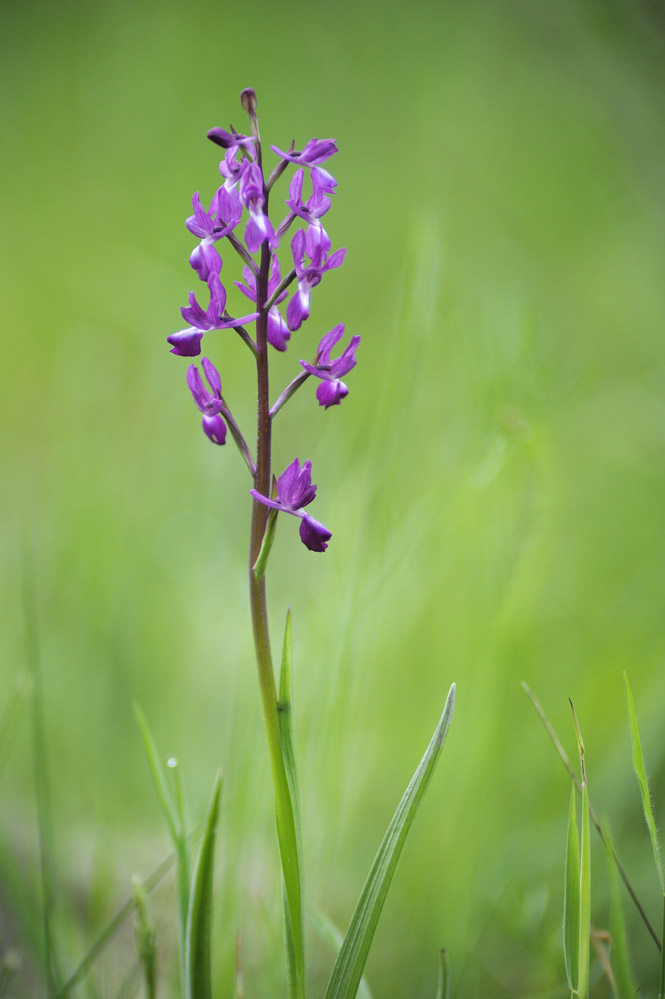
(220, 137)
(248, 100)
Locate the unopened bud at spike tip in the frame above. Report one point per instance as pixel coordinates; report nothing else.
(221, 137)
(248, 100)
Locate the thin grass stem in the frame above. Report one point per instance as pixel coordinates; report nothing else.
(41, 774)
(109, 932)
(592, 814)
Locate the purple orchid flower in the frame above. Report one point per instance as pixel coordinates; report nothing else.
(316, 152)
(294, 491)
(332, 389)
(316, 245)
(316, 205)
(259, 227)
(209, 403)
(187, 342)
(278, 332)
(223, 217)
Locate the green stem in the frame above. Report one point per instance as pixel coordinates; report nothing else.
(257, 598)
(661, 987)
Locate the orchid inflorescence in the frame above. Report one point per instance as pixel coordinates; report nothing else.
(245, 188)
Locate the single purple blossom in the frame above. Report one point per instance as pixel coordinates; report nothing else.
(278, 332)
(332, 389)
(294, 491)
(223, 217)
(316, 205)
(259, 227)
(231, 169)
(208, 402)
(187, 342)
(315, 244)
(316, 152)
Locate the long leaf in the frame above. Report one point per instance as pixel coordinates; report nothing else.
(571, 898)
(585, 899)
(199, 918)
(41, 767)
(626, 988)
(641, 774)
(178, 835)
(289, 830)
(350, 962)
(594, 818)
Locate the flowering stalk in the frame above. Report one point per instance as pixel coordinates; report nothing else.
(245, 188)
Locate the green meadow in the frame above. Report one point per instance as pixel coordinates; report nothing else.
(494, 482)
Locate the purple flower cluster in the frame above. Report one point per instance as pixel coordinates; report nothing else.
(245, 191)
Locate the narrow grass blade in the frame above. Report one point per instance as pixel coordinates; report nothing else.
(585, 900)
(443, 990)
(41, 768)
(173, 817)
(335, 937)
(641, 774)
(585, 876)
(259, 567)
(289, 831)
(199, 918)
(109, 932)
(145, 941)
(571, 899)
(10, 714)
(158, 775)
(351, 960)
(594, 818)
(625, 987)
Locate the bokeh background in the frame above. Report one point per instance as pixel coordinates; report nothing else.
(494, 481)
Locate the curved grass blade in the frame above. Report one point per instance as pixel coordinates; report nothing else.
(571, 899)
(289, 831)
(350, 962)
(198, 976)
(443, 990)
(639, 767)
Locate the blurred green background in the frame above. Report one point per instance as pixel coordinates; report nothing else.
(494, 481)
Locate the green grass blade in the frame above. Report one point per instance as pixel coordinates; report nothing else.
(41, 769)
(641, 774)
(443, 990)
(571, 898)
(173, 821)
(158, 775)
(145, 941)
(594, 818)
(585, 900)
(625, 987)
(350, 962)
(105, 937)
(199, 918)
(289, 830)
(335, 937)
